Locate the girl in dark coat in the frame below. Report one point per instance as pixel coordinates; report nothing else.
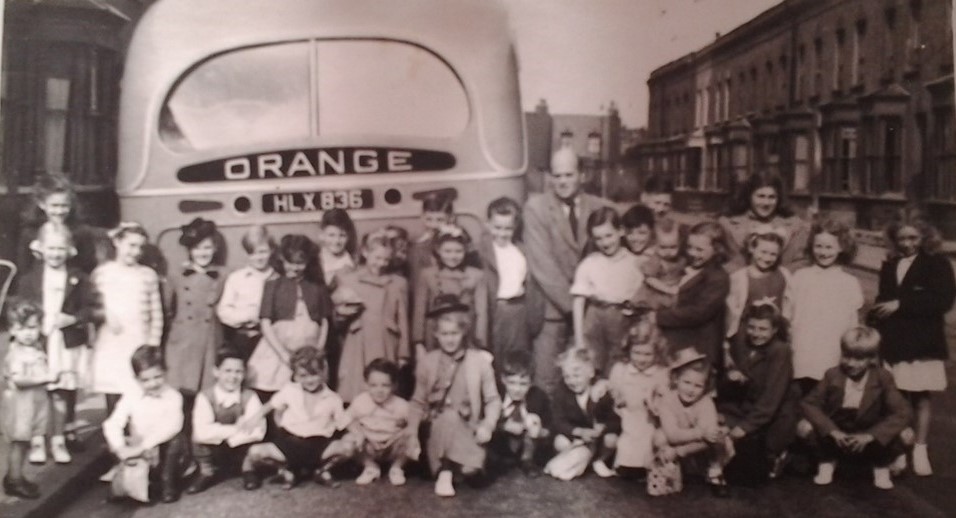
(916, 289)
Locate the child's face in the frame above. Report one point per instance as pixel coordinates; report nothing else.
(55, 249)
(451, 254)
(760, 331)
(908, 240)
(334, 239)
(854, 363)
(763, 202)
(577, 376)
(293, 269)
(826, 249)
(259, 257)
(152, 380)
(607, 238)
(765, 254)
(202, 254)
(691, 385)
(310, 381)
(377, 258)
(700, 250)
(379, 386)
(660, 203)
(641, 356)
(638, 238)
(229, 374)
(129, 248)
(668, 246)
(27, 332)
(433, 219)
(56, 206)
(450, 335)
(502, 228)
(516, 386)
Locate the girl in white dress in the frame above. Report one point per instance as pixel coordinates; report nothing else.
(632, 383)
(132, 309)
(826, 302)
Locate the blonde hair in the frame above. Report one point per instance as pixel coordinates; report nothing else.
(45, 230)
(861, 340)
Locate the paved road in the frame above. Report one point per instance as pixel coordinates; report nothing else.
(512, 495)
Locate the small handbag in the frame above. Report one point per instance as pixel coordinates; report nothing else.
(664, 477)
(131, 480)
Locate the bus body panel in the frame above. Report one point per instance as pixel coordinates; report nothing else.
(177, 37)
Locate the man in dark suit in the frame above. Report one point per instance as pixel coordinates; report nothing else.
(555, 235)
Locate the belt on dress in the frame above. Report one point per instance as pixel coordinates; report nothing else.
(512, 300)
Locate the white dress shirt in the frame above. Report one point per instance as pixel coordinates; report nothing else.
(512, 270)
(242, 296)
(152, 419)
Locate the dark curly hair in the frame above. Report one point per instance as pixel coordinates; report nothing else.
(759, 179)
(297, 248)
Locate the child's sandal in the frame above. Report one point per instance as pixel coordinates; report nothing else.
(288, 479)
(324, 478)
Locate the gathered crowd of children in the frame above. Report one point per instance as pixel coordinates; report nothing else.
(386, 351)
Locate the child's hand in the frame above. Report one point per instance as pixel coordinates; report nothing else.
(246, 426)
(737, 433)
(858, 442)
(667, 454)
(482, 434)
(712, 436)
(129, 452)
(840, 438)
(533, 425)
(249, 324)
(599, 390)
(403, 362)
(64, 320)
(735, 376)
(887, 308)
(513, 427)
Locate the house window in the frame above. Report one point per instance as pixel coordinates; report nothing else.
(882, 172)
(914, 44)
(709, 182)
(817, 66)
(782, 100)
(888, 59)
(943, 153)
(55, 127)
(801, 85)
(840, 159)
(838, 61)
(771, 88)
(857, 59)
(754, 90)
(799, 166)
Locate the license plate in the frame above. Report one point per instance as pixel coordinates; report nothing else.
(313, 201)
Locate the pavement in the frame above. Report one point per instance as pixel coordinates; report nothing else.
(73, 491)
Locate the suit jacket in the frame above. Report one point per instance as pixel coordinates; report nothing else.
(79, 300)
(535, 402)
(567, 415)
(697, 320)
(553, 252)
(534, 302)
(916, 329)
(483, 398)
(883, 412)
(767, 391)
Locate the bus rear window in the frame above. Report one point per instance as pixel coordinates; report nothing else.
(253, 95)
(387, 88)
(362, 87)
